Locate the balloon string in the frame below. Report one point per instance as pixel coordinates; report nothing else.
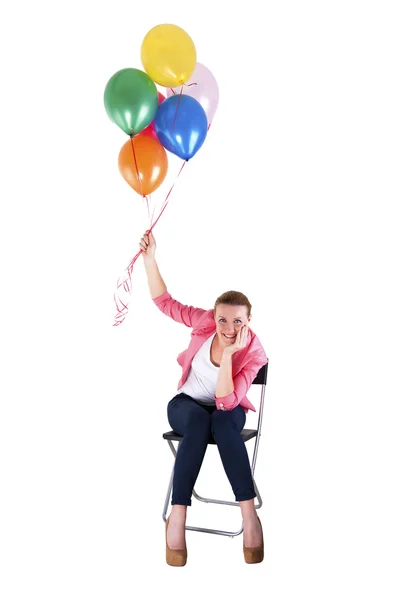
(125, 280)
(136, 166)
(184, 84)
(166, 201)
(152, 215)
(177, 108)
(145, 197)
(148, 208)
(187, 85)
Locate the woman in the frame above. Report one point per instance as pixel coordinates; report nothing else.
(220, 364)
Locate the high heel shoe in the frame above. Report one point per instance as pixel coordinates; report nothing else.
(254, 555)
(174, 558)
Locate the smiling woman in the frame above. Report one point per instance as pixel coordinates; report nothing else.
(218, 367)
(232, 311)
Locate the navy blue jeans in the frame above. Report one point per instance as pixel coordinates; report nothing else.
(196, 423)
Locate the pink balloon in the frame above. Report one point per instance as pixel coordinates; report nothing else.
(202, 86)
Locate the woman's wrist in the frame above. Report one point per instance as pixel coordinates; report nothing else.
(227, 352)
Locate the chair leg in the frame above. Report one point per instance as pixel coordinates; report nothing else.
(210, 500)
(260, 501)
(258, 496)
(167, 499)
(231, 534)
(168, 493)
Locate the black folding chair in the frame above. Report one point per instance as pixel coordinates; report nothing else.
(247, 434)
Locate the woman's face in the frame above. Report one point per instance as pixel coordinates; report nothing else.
(229, 320)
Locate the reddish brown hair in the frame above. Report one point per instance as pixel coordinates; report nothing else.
(234, 299)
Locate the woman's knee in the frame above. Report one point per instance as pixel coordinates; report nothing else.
(198, 420)
(224, 422)
(221, 423)
(186, 416)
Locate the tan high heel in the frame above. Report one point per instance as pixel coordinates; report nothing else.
(174, 558)
(254, 555)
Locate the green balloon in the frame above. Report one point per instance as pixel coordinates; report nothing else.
(131, 100)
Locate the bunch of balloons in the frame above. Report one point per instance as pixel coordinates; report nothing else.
(177, 121)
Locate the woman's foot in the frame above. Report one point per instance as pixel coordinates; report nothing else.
(253, 537)
(175, 558)
(176, 531)
(176, 535)
(176, 551)
(253, 543)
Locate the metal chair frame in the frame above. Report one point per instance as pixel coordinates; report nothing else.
(247, 434)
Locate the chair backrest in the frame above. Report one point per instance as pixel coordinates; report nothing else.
(260, 379)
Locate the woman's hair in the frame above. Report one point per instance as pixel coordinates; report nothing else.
(234, 299)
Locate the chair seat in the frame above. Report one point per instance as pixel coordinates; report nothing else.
(246, 435)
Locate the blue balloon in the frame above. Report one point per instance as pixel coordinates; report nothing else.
(181, 125)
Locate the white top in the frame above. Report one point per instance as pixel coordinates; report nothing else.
(202, 377)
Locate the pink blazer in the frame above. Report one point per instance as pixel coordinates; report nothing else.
(246, 362)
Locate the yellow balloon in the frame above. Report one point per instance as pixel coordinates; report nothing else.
(168, 55)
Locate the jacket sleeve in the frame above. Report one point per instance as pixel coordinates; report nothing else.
(242, 382)
(187, 315)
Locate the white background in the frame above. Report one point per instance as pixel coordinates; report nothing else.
(292, 200)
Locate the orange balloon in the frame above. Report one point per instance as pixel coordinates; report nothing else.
(151, 161)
